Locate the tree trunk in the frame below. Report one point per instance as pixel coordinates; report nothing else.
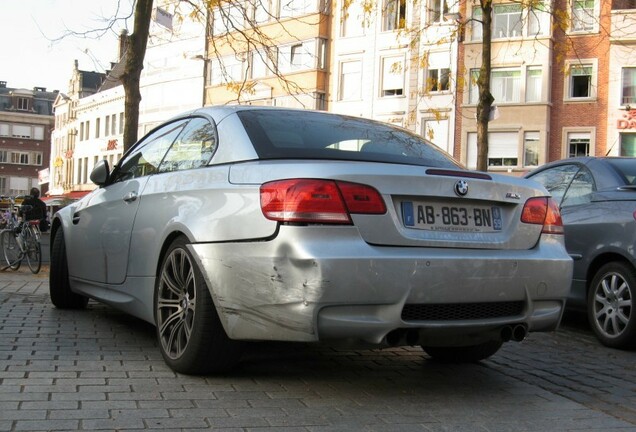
(134, 63)
(484, 104)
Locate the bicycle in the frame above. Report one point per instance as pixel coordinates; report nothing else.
(20, 240)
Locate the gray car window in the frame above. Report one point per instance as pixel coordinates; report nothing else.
(557, 179)
(145, 157)
(580, 190)
(193, 148)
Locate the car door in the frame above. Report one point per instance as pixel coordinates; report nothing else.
(103, 226)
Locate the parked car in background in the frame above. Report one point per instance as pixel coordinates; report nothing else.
(234, 224)
(597, 198)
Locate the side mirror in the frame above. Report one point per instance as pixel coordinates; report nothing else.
(100, 173)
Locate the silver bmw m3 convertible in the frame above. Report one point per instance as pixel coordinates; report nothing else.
(235, 224)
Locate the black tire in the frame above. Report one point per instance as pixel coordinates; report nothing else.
(59, 287)
(189, 333)
(10, 250)
(463, 354)
(33, 251)
(610, 305)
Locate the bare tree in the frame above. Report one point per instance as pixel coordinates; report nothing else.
(134, 55)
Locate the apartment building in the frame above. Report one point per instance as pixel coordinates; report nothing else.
(26, 121)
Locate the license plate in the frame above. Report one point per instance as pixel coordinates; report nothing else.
(449, 217)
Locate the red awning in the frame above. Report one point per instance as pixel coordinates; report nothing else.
(55, 199)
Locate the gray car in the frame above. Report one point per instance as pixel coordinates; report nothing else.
(236, 224)
(597, 198)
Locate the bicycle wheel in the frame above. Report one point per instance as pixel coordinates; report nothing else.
(33, 250)
(11, 250)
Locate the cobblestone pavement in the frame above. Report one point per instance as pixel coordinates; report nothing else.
(99, 369)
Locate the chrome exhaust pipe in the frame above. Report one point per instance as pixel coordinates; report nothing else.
(506, 333)
(519, 332)
(394, 337)
(412, 337)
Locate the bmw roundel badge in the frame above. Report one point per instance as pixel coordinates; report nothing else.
(461, 187)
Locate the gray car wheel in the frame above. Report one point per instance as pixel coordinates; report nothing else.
(611, 305)
(463, 354)
(191, 337)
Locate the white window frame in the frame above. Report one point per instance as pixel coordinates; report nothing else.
(437, 131)
(23, 104)
(436, 10)
(531, 139)
(352, 19)
(628, 93)
(575, 66)
(393, 76)
(350, 80)
(512, 27)
(499, 148)
(538, 19)
(534, 84)
(584, 19)
(226, 70)
(392, 17)
(578, 133)
(301, 56)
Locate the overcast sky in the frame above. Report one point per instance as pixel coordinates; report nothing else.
(29, 56)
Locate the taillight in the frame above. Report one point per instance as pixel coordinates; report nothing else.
(543, 211)
(318, 201)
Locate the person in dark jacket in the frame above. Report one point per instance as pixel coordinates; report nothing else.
(37, 210)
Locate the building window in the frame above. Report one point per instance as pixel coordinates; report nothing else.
(534, 83)
(226, 69)
(20, 158)
(23, 104)
(436, 131)
(438, 80)
(506, 21)
(38, 132)
(263, 11)
(506, 85)
(580, 81)
(583, 18)
(629, 86)
(228, 19)
(97, 127)
(436, 11)
(81, 131)
(121, 123)
(473, 91)
(393, 15)
(502, 149)
(3, 186)
(4, 129)
(260, 64)
(305, 55)
(392, 76)
(113, 121)
(578, 144)
(538, 19)
(531, 149)
(87, 130)
(3, 156)
(476, 28)
(352, 22)
(36, 158)
(350, 80)
(107, 126)
(628, 144)
(21, 131)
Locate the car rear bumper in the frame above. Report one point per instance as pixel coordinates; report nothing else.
(321, 283)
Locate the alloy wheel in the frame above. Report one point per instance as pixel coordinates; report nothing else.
(176, 301)
(612, 307)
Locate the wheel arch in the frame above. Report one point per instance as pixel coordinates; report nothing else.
(599, 262)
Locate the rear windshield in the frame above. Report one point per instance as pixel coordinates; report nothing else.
(281, 134)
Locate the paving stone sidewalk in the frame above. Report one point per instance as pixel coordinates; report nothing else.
(99, 369)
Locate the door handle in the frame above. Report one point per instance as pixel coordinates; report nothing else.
(130, 197)
(76, 219)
